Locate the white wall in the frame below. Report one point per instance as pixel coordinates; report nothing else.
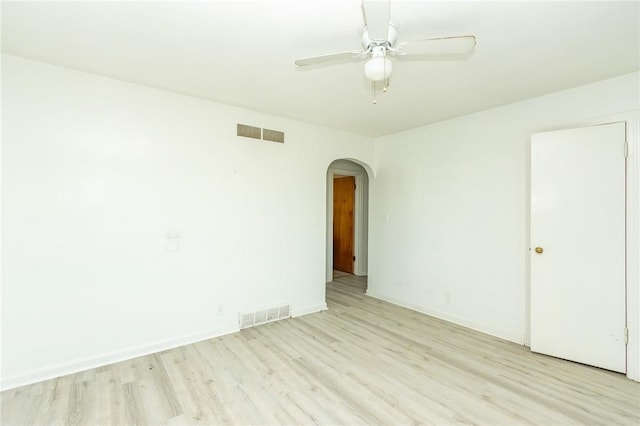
(449, 209)
(97, 172)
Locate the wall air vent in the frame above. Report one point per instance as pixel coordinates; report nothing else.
(252, 132)
(264, 316)
(249, 131)
(272, 135)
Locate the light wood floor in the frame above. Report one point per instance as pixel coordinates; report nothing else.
(362, 362)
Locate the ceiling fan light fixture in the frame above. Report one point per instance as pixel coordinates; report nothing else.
(378, 68)
(380, 41)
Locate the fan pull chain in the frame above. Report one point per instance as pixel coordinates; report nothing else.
(373, 86)
(384, 89)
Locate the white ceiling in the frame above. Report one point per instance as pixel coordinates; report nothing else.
(242, 52)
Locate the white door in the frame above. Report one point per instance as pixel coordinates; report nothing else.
(578, 226)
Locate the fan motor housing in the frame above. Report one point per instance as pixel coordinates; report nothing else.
(368, 44)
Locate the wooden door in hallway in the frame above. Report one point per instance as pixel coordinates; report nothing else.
(343, 222)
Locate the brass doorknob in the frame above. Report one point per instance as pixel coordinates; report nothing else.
(539, 250)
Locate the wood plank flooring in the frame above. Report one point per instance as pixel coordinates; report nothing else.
(362, 362)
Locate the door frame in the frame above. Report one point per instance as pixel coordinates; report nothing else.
(632, 261)
(360, 236)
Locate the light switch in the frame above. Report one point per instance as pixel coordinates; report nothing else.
(173, 242)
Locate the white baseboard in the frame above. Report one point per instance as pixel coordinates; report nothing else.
(129, 353)
(110, 358)
(311, 309)
(519, 339)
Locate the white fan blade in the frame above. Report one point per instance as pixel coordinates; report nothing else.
(459, 45)
(376, 18)
(332, 57)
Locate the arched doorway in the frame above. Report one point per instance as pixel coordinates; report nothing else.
(347, 219)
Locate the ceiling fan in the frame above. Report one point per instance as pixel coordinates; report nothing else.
(380, 41)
